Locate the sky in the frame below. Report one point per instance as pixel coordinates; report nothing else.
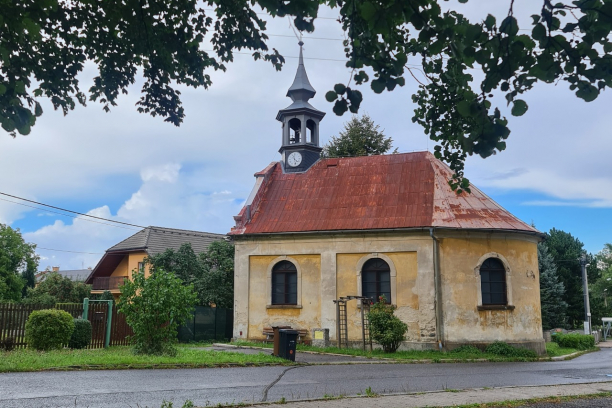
(134, 168)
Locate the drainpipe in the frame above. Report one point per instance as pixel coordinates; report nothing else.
(438, 289)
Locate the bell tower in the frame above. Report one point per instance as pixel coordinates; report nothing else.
(300, 143)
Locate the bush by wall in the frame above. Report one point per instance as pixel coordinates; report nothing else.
(504, 349)
(49, 329)
(81, 336)
(574, 340)
(386, 328)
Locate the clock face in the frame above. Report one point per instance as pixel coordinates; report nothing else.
(294, 159)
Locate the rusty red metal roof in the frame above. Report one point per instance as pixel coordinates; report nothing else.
(395, 191)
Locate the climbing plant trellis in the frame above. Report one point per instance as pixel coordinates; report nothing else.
(342, 321)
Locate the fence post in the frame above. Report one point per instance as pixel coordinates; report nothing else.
(85, 308)
(109, 321)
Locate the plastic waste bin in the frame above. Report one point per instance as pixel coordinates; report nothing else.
(286, 344)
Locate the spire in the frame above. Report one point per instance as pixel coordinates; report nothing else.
(301, 88)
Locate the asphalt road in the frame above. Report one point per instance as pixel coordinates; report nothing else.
(148, 388)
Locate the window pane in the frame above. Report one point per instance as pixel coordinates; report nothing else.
(498, 298)
(498, 287)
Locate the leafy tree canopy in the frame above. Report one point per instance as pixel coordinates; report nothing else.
(45, 43)
(55, 288)
(16, 257)
(361, 137)
(211, 273)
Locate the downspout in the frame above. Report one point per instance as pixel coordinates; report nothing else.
(438, 289)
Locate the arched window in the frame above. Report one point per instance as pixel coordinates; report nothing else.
(284, 284)
(376, 280)
(493, 282)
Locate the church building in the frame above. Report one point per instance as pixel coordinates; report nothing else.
(460, 268)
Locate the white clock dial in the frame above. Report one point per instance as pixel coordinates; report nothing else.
(294, 159)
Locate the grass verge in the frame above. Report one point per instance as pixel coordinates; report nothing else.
(552, 349)
(528, 402)
(122, 358)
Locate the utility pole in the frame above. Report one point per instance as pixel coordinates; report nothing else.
(585, 288)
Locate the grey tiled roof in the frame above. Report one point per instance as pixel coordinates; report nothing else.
(155, 240)
(76, 275)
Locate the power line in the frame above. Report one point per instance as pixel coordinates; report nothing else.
(66, 215)
(267, 14)
(73, 252)
(73, 212)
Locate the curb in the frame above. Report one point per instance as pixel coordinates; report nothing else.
(386, 360)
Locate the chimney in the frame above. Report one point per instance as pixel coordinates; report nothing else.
(55, 269)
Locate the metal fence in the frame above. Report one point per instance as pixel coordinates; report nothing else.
(208, 323)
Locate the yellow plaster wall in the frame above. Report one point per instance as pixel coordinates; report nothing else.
(129, 263)
(462, 319)
(406, 296)
(309, 297)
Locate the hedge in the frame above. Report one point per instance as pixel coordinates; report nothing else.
(49, 329)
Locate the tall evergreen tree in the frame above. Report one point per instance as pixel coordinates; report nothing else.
(566, 250)
(361, 137)
(552, 291)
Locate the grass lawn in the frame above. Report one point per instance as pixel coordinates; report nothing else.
(552, 349)
(121, 357)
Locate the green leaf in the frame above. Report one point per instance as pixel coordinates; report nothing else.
(490, 21)
(340, 89)
(38, 109)
(587, 92)
(519, 107)
(20, 87)
(464, 108)
(463, 1)
(378, 85)
(331, 96)
(539, 32)
(509, 26)
(2, 89)
(368, 10)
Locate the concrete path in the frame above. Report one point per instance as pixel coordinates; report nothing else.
(451, 398)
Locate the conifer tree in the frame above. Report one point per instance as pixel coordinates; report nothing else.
(551, 291)
(361, 137)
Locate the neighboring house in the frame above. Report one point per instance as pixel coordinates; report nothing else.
(122, 259)
(77, 275)
(460, 268)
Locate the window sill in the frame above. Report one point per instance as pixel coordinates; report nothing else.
(283, 306)
(496, 307)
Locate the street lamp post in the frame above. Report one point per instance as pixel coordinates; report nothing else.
(585, 286)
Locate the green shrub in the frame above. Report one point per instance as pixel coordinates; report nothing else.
(505, 350)
(49, 329)
(386, 328)
(81, 336)
(154, 308)
(467, 348)
(574, 340)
